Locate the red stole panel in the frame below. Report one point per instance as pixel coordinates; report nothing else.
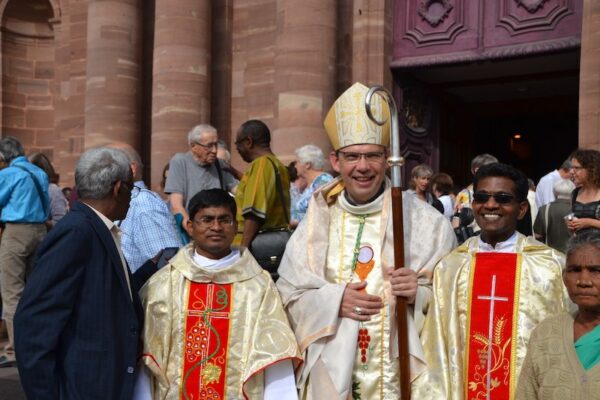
(492, 326)
(207, 323)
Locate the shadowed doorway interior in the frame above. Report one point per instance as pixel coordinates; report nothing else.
(524, 111)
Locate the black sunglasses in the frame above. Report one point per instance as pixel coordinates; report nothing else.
(500, 198)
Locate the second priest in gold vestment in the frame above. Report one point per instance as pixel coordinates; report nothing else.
(488, 296)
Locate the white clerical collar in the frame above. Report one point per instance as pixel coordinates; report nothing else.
(508, 246)
(373, 206)
(221, 263)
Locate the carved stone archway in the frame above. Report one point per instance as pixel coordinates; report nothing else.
(27, 77)
(53, 3)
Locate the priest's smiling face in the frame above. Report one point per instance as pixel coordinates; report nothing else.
(213, 230)
(362, 168)
(497, 209)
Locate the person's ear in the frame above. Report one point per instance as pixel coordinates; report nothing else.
(116, 188)
(134, 168)
(334, 161)
(523, 207)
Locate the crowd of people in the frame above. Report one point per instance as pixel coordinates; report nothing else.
(280, 282)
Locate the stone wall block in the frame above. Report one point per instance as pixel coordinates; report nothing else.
(14, 66)
(39, 118)
(44, 70)
(33, 86)
(25, 136)
(16, 100)
(43, 51)
(40, 102)
(11, 49)
(45, 140)
(13, 117)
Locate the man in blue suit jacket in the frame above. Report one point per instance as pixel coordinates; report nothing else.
(79, 321)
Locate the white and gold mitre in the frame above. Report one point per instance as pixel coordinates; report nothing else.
(347, 122)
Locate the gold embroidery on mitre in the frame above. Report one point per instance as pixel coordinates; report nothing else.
(211, 374)
(347, 122)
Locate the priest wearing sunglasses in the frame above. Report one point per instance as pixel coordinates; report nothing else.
(489, 294)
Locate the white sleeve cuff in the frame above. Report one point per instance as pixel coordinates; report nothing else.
(280, 383)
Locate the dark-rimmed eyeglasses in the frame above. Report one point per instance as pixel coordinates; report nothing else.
(208, 146)
(353, 157)
(500, 198)
(208, 221)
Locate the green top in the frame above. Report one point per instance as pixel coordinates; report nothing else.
(588, 348)
(257, 194)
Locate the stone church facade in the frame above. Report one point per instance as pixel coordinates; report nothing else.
(81, 73)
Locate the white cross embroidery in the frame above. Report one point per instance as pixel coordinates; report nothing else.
(492, 298)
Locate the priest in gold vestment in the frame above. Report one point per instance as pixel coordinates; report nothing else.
(336, 277)
(214, 324)
(488, 296)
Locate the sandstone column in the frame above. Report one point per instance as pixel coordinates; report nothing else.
(112, 98)
(589, 80)
(305, 73)
(181, 88)
(372, 42)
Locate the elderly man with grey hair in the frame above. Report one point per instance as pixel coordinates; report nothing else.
(24, 203)
(78, 323)
(149, 225)
(197, 169)
(549, 226)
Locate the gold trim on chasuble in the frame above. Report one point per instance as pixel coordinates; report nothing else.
(207, 332)
(492, 332)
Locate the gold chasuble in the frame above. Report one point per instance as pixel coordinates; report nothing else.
(484, 309)
(338, 243)
(211, 334)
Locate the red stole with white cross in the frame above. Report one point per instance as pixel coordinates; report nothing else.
(207, 325)
(492, 326)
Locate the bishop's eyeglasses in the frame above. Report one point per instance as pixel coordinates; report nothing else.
(353, 157)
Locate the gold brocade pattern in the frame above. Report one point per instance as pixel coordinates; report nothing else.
(375, 375)
(541, 293)
(259, 333)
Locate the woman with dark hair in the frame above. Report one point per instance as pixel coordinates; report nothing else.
(442, 186)
(58, 203)
(564, 351)
(585, 173)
